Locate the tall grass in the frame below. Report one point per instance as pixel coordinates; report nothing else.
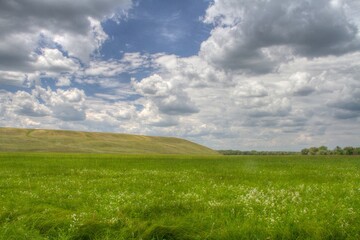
(89, 196)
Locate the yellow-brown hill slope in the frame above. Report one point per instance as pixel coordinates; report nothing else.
(39, 140)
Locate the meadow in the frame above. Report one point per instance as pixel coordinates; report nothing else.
(109, 196)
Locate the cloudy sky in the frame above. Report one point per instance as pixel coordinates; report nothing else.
(229, 74)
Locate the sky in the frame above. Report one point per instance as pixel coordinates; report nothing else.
(228, 74)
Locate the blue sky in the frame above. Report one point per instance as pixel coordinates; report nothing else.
(229, 74)
(155, 26)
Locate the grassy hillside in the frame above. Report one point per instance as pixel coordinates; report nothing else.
(36, 140)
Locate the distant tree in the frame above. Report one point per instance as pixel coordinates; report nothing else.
(348, 150)
(357, 151)
(323, 150)
(313, 150)
(305, 151)
(338, 151)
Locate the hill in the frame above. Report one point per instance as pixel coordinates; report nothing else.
(40, 140)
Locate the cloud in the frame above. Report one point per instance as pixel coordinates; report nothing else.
(279, 107)
(250, 90)
(12, 78)
(66, 105)
(192, 71)
(226, 49)
(167, 96)
(16, 50)
(48, 63)
(153, 86)
(67, 112)
(74, 25)
(301, 84)
(27, 105)
(347, 102)
(179, 104)
(52, 60)
(129, 63)
(151, 116)
(135, 60)
(79, 45)
(63, 81)
(247, 33)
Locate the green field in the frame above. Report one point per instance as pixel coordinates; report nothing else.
(41, 140)
(94, 196)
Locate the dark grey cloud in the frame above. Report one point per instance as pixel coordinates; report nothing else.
(249, 61)
(67, 112)
(164, 123)
(14, 54)
(313, 28)
(348, 104)
(67, 15)
(22, 24)
(181, 105)
(349, 100)
(12, 78)
(29, 108)
(287, 122)
(304, 91)
(344, 114)
(248, 32)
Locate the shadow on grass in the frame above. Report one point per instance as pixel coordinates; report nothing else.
(165, 233)
(96, 230)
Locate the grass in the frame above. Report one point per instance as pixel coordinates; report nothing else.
(99, 196)
(40, 140)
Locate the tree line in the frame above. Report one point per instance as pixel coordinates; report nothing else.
(253, 152)
(322, 150)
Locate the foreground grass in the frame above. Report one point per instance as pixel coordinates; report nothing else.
(79, 196)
